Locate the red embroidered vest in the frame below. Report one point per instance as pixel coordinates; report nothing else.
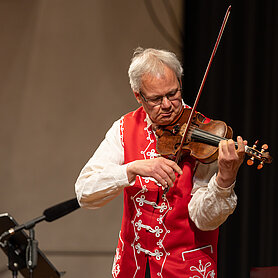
(159, 227)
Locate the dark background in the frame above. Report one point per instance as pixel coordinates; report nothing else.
(241, 90)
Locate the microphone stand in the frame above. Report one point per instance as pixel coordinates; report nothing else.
(31, 252)
(18, 259)
(31, 249)
(15, 262)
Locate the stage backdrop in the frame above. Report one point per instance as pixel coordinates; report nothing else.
(241, 90)
(63, 81)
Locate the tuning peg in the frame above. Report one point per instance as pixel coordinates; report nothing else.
(264, 147)
(260, 166)
(250, 161)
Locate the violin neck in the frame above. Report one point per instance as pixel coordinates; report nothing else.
(202, 136)
(199, 135)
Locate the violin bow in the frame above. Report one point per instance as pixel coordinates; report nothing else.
(203, 83)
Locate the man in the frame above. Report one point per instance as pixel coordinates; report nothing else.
(162, 235)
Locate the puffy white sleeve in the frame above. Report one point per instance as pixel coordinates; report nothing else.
(210, 204)
(104, 176)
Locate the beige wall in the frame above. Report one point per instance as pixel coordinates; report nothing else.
(63, 81)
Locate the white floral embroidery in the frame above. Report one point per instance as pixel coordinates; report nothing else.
(160, 219)
(116, 266)
(146, 180)
(202, 270)
(157, 231)
(139, 199)
(122, 131)
(149, 153)
(142, 200)
(152, 154)
(162, 207)
(159, 243)
(155, 254)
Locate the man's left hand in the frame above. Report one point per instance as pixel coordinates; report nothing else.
(229, 161)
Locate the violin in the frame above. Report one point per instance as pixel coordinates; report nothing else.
(190, 134)
(202, 139)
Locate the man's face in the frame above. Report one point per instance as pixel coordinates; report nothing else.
(157, 87)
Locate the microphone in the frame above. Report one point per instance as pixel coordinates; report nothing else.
(60, 210)
(49, 215)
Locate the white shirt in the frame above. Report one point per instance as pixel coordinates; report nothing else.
(104, 177)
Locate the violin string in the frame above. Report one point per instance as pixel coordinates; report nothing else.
(202, 135)
(209, 138)
(212, 139)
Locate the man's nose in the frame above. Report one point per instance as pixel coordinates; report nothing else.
(165, 102)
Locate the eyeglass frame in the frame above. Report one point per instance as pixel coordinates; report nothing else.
(161, 97)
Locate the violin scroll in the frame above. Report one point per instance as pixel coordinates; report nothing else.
(262, 155)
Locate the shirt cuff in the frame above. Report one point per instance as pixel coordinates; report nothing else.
(122, 179)
(221, 191)
(129, 183)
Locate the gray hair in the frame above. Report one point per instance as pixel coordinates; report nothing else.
(151, 61)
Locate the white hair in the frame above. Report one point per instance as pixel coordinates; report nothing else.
(151, 61)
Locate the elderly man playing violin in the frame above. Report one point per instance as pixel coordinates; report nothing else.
(171, 234)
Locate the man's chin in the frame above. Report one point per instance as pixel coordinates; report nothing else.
(165, 120)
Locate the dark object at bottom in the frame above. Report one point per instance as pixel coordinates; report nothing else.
(148, 273)
(264, 272)
(15, 249)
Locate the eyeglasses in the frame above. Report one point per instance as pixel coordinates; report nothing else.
(171, 96)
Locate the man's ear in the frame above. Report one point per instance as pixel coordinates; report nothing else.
(137, 96)
(180, 83)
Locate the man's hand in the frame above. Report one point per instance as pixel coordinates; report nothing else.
(161, 169)
(229, 161)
